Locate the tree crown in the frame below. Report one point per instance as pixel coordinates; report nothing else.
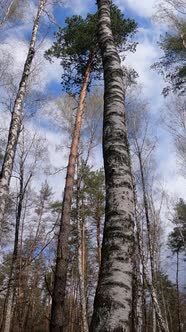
(172, 64)
(78, 40)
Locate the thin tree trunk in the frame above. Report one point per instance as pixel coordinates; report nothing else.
(98, 236)
(60, 277)
(162, 324)
(113, 300)
(140, 237)
(7, 314)
(144, 306)
(135, 327)
(150, 247)
(6, 15)
(145, 202)
(177, 291)
(17, 118)
(165, 305)
(19, 312)
(170, 318)
(81, 268)
(140, 325)
(83, 246)
(29, 321)
(154, 323)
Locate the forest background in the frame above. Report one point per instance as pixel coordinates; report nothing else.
(45, 122)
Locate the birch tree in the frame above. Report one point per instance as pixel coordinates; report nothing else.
(17, 115)
(112, 306)
(30, 151)
(143, 143)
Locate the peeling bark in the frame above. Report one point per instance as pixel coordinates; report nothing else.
(17, 117)
(112, 306)
(57, 317)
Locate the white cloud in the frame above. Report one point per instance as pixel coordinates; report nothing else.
(58, 160)
(18, 50)
(144, 8)
(79, 6)
(169, 167)
(146, 54)
(53, 166)
(44, 72)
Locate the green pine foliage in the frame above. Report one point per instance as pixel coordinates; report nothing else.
(172, 64)
(177, 238)
(78, 40)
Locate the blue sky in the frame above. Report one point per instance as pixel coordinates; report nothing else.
(14, 43)
(49, 76)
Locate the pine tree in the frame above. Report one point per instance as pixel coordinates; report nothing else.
(176, 242)
(172, 65)
(77, 47)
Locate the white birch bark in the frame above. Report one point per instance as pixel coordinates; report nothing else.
(139, 276)
(161, 321)
(8, 317)
(17, 117)
(112, 306)
(157, 315)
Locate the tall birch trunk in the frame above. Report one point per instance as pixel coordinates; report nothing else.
(17, 117)
(113, 300)
(137, 303)
(60, 277)
(150, 246)
(140, 324)
(146, 207)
